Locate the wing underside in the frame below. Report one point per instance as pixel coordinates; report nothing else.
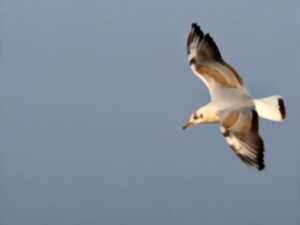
(207, 63)
(240, 129)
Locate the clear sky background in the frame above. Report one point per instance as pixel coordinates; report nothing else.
(94, 94)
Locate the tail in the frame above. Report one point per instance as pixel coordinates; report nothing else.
(271, 108)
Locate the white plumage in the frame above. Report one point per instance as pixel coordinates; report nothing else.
(231, 104)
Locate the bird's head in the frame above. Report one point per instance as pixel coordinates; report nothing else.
(197, 117)
(205, 114)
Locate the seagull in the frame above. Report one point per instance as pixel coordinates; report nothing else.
(231, 105)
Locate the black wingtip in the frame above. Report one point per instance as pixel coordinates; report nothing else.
(261, 167)
(260, 158)
(208, 49)
(194, 25)
(197, 29)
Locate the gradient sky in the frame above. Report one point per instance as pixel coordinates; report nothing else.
(93, 97)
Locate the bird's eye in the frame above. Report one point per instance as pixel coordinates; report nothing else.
(201, 115)
(195, 116)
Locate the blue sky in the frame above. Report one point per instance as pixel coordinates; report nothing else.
(93, 97)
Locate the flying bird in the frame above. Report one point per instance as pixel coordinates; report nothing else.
(231, 104)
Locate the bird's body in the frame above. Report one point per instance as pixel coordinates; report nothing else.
(231, 104)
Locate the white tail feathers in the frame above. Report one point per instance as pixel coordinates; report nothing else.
(271, 108)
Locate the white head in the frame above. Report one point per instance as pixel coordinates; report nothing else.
(202, 115)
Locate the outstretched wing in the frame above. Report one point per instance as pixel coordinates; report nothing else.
(240, 129)
(207, 63)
